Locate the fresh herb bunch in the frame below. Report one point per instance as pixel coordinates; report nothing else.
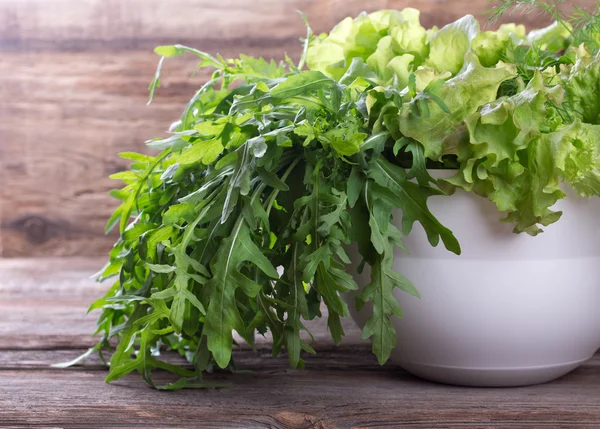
(242, 221)
(578, 24)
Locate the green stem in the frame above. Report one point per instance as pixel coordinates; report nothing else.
(275, 192)
(127, 215)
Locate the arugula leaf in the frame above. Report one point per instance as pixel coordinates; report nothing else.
(384, 237)
(380, 293)
(393, 187)
(301, 83)
(222, 316)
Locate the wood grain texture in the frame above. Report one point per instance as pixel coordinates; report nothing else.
(306, 399)
(61, 290)
(73, 93)
(342, 387)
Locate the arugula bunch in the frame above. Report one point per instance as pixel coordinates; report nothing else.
(241, 222)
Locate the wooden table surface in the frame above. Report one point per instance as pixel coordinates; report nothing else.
(43, 320)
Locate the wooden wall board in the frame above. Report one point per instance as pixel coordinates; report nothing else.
(74, 87)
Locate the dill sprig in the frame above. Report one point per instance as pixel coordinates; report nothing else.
(503, 7)
(582, 24)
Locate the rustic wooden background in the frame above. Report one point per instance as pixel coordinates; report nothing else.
(73, 90)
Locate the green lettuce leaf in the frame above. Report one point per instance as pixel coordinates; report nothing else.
(582, 87)
(463, 95)
(508, 158)
(501, 128)
(552, 38)
(382, 56)
(408, 35)
(351, 38)
(516, 32)
(377, 38)
(449, 45)
(401, 66)
(425, 75)
(576, 153)
(524, 192)
(490, 46)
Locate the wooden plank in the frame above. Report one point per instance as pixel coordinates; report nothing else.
(341, 387)
(61, 290)
(90, 106)
(44, 302)
(346, 357)
(74, 87)
(109, 25)
(333, 398)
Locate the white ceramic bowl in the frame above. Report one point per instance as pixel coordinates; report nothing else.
(511, 310)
